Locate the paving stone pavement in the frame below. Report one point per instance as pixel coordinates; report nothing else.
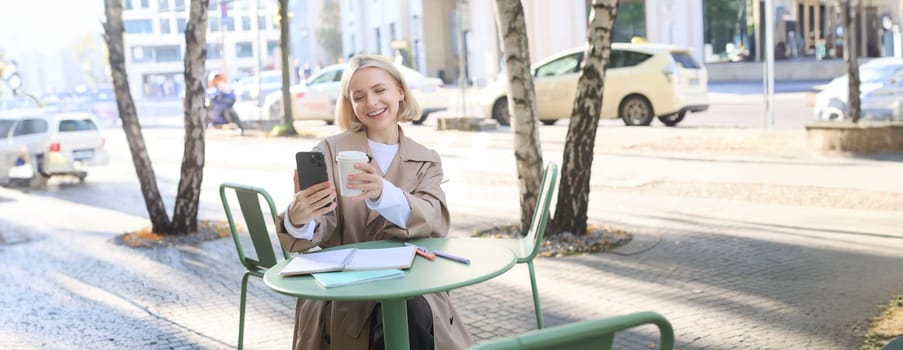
(728, 274)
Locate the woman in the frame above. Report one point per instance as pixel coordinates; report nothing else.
(401, 198)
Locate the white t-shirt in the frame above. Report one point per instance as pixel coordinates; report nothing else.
(392, 204)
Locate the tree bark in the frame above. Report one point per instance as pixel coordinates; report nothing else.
(573, 192)
(185, 213)
(521, 103)
(849, 12)
(113, 30)
(288, 117)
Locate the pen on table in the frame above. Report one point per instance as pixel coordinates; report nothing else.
(422, 252)
(448, 256)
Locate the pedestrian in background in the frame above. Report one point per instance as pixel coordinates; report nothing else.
(222, 112)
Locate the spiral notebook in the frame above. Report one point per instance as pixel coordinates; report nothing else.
(350, 259)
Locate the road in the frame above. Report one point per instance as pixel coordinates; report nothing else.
(736, 104)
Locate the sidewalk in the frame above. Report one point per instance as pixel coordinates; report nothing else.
(729, 272)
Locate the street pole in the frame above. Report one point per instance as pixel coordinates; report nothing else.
(769, 63)
(223, 13)
(260, 53)
(462, 78)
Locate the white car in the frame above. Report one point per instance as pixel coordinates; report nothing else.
(316, 98)
(642, 81)
(249, 88)
(884, 103)
(57, 144)
(877, 74)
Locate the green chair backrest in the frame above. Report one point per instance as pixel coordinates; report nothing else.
(586, 335)
(249, 202)
(538, 224)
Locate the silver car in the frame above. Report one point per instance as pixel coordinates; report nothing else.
(316, 98)
(56, 143)
(877, 80)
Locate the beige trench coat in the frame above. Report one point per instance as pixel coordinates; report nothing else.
(417, 171)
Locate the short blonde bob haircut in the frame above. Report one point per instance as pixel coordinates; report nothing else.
(408, 108)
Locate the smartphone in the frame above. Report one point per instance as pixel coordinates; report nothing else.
(311, 168)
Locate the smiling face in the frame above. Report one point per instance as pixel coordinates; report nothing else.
(375, 98)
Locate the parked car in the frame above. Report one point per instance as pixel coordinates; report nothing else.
(104, 106)
(831, 102)
(884, 103)
(642, 81)
(56, 143)
(316, 98)
(247, 89)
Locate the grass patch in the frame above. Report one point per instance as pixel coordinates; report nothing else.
(886, 326)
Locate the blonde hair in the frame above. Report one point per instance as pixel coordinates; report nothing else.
(408, 108)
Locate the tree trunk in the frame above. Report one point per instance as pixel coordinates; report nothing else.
(113, 29)
(850, 31)
(288, 117)
(573, 192)
(521, 103)
(185, 213)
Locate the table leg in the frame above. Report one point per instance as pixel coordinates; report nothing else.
(395, 324)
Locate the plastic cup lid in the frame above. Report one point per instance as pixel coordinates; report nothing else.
(352, 156)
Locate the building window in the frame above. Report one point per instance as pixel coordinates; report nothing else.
(129, 5)
(171, 53)
(178, 5)
(228, 23)
(392, 31)
(630, 22)
(164, 26)
(163, 5)
(136, 26)
(261, 22)
(142, 54)
(245, 23)
(271, 47)
(725, 30)
(145, 4)
(181, 23)
(214, 51)
(244, 49)
(213, 25)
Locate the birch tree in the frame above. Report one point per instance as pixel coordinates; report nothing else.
(287, 117)
(848, 12)
(573, 191)
(521, 103)
(186, 206)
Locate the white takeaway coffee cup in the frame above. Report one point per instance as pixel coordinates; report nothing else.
(347, 160)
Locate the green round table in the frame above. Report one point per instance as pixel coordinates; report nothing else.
(424, 277)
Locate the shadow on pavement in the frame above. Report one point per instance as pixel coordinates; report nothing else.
(775, 284)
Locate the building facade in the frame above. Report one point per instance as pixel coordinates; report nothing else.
(242, 39)
(715, 30)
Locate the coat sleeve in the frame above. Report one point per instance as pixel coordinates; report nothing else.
(429, 212)
(327, 224)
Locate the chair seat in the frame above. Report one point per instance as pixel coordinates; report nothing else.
(517, 245)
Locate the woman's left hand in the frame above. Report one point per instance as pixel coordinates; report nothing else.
(369, 182)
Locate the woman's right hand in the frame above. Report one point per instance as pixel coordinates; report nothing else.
(312, 202)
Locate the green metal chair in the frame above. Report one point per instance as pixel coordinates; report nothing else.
(249, 202)
(895, 344)
(593, 334)
(526, 248)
